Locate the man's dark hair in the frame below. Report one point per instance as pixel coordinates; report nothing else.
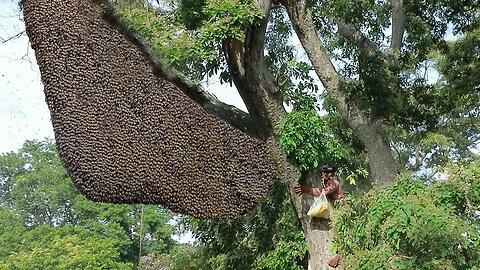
(329, 168)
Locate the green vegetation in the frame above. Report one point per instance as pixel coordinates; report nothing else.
(46, 224)
(432, 127)
(413, 225)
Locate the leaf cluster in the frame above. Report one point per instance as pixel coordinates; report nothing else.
(189, 36)
(413, 225)
(393, 85)
(308, 141)
(45, 247)
(45, 223)
(292, 73)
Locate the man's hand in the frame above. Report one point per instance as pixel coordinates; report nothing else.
(299, 189)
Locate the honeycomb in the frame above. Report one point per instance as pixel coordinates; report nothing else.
(127, 135)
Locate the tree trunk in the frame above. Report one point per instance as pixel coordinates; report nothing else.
(317, 231)
(382, 163)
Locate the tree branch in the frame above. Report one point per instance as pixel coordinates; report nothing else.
(353, 35)
(382, 164)
(17, 35)
(398, 24)
(350, 33)
(468, 202)
(254, 82)
(395, 257)
(231, 114)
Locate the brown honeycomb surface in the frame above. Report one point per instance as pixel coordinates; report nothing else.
(126, 135)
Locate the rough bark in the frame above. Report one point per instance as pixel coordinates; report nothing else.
(398, 24)
(382, 163)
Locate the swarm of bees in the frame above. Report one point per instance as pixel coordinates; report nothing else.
(126, 135)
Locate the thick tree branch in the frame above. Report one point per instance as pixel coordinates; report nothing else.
(382, 164)
(231, 114)
(350, 33)
(398, 24)
(259, 90)
(255, 83)
(353, 35)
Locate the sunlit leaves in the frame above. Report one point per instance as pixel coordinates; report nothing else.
(358, 173)
(189, 38)
(45, 248)
(307, 140)
(428, 21)
(42, 213)
(408, 224)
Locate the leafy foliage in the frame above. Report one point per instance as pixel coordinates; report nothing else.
(413, 225)
(307, 141)
(46, 224)
(459, 66)
(65, 248)
(189, 37)
(292, 73)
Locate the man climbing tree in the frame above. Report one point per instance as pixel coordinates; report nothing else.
(332, 189)
(330, 185)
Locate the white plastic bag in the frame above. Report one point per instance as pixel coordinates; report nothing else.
(321, 207)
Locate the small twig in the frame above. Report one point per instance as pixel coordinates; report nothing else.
(140, 235)
(418, 157)
(468, 202)
(432, 175)
(3, 40)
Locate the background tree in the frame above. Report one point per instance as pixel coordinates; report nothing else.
(42, 213)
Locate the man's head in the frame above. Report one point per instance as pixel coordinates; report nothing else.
(328, 171)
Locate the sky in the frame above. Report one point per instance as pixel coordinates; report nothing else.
(24, 115)
(23, 112)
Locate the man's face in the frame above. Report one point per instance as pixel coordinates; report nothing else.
(327, 175)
